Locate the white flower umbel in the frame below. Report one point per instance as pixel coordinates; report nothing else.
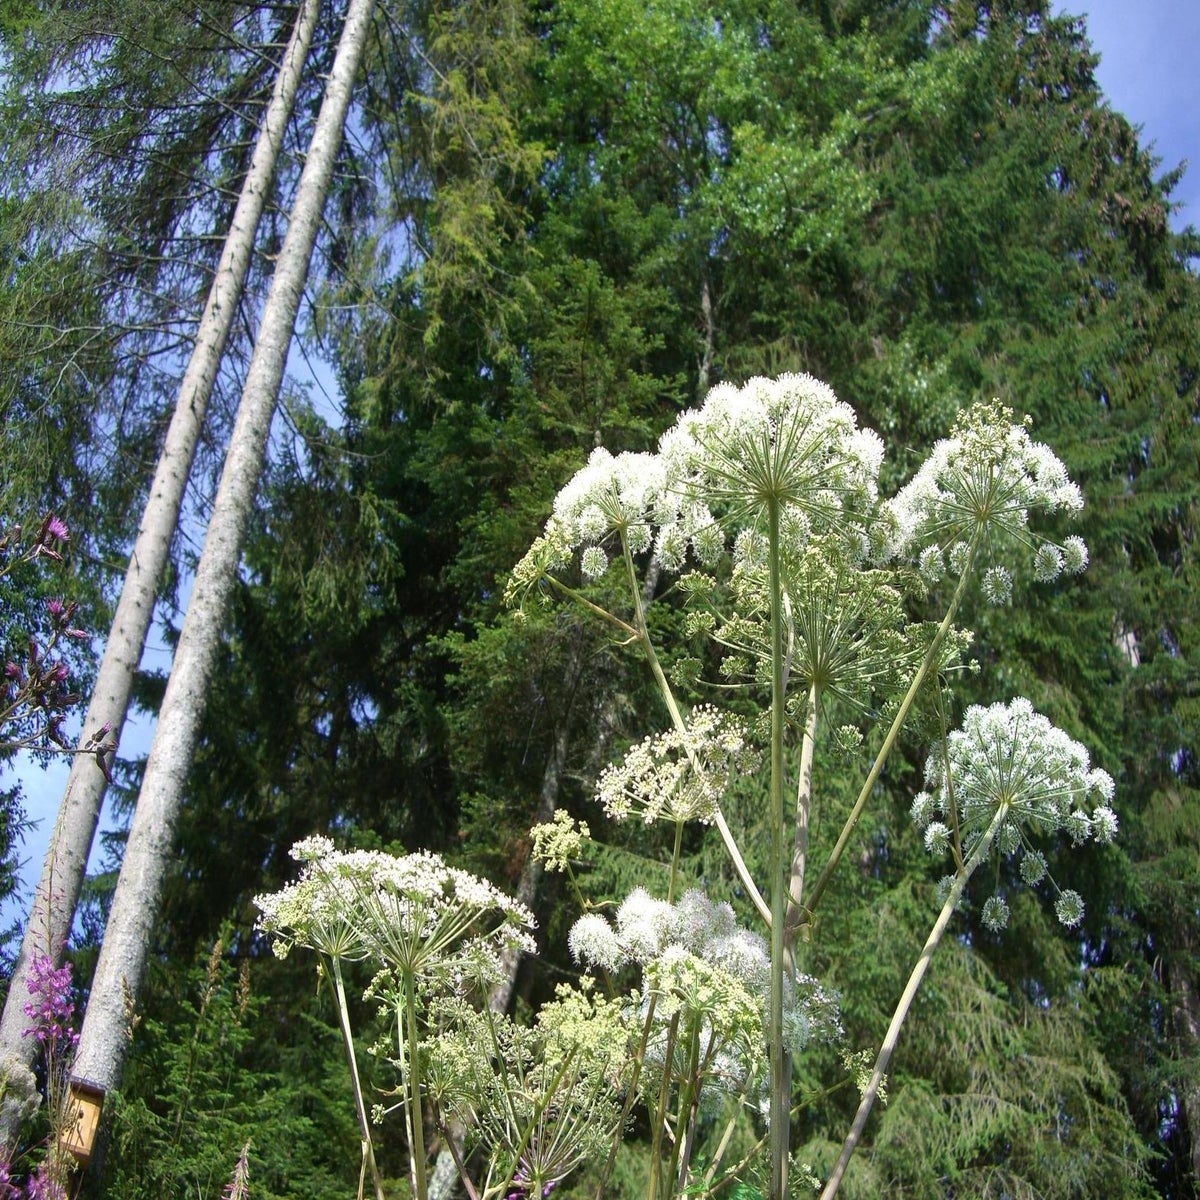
(647, 929)
(788, 440)
(1006, 774)
(977, 490)
(430, 925)
(704, 1006)
(609, 494)
(420, 913)
(679, 777)
(1011, 760)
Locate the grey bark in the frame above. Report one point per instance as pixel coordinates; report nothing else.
(54, 903)
(104, 1038)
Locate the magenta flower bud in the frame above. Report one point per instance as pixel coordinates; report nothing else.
(57, 529)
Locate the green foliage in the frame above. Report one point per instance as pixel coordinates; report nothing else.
(616, 206)
(199, 1088)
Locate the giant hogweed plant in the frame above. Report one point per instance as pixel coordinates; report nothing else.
(764, 502)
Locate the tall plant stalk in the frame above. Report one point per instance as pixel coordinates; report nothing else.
(360, 1108)
(416, 1112)
(932, 654)
(780, 1109)
(906, 999)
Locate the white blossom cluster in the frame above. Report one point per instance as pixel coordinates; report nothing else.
(788, 438)
(412, 913)
(679, 777)
(980, 485)
(696, 950)
(1009, 757)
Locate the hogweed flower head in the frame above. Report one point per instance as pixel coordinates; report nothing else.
(557, 842)
(413, 913)
(679, 776)
(978, 487)
(1009, 758)
(609, 494)
(787, 441)
(697, 959)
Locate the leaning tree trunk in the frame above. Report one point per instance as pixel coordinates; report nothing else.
(104, 1038)
(57, 895)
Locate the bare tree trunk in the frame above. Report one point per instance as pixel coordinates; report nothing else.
(57, 895)
(104, 1038)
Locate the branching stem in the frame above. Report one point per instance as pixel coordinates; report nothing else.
(906, 999)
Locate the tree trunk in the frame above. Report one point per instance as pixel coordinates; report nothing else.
(104, 1039)
(57, 895)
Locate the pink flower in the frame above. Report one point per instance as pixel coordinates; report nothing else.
(50, 1006)
(57, 529)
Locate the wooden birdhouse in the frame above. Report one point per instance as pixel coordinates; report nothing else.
(84, 1104)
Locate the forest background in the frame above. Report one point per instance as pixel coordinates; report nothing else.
(554, 226)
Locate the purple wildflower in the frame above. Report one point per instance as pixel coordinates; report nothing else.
(50, 1006)
(8, 1189)
(45, 1184)
(56, 528)
(521, 1186)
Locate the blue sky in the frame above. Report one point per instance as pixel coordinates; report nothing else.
(1148, 71)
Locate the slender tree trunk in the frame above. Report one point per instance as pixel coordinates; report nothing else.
(104, 1038)
(57, 895)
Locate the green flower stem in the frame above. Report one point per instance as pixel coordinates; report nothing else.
(723, 1145)
(780, 1107)
(642, 634)
(631, 1094)
(685, 1120)
(675, 856)
(927, 664)
(364, 1126)
(660, 1114)
(451, 1142)
(539, 1111)
(906, 999)
(416, 1132)
(603, 613)
(803, 810)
